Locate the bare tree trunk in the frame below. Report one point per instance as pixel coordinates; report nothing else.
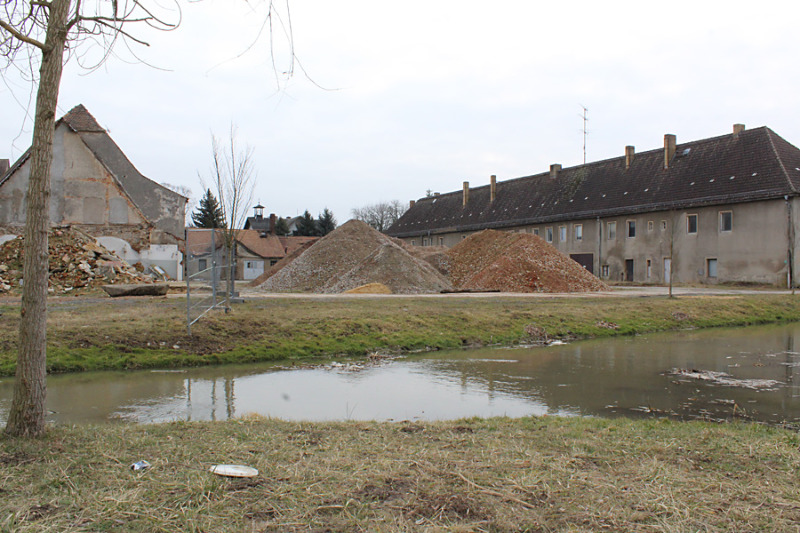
(26, 416)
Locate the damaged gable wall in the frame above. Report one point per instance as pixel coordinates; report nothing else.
(83, 194)
(97, 190)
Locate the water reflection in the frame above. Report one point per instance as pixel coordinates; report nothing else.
(592, 378)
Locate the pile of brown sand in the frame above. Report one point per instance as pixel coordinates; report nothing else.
(352, 255)
(516, 262)
(370, 288)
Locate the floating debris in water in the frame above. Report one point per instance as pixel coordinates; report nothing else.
(724, 379)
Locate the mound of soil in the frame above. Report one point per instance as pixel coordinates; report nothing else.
(352, 255)
(77, 264)
(516, 262)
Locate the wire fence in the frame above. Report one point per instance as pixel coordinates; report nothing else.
(206, 271)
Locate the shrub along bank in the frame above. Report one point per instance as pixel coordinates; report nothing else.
(95, 334)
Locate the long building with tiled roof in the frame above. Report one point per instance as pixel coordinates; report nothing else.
(717, 209)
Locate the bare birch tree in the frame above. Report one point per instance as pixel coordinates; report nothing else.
(43, 32)
(233, 179)
(40, 36)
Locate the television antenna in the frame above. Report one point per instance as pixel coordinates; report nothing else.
(585, 117)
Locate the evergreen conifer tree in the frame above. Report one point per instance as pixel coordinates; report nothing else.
(209, 213)
(307, 226)
(282, 227)
(326, 222)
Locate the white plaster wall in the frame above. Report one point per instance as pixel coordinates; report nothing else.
(166, 256)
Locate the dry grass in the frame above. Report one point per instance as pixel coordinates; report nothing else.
(533, 474)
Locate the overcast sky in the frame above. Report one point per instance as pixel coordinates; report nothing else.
(417, 95)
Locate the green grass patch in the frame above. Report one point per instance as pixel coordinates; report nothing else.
(106, 334)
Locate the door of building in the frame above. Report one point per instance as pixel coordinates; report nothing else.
(667, 269)
(253, 269)
(584, 260)
(629, 270)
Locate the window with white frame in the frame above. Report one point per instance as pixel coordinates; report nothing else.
(578, 229)
(536, 231)
(726, 220)
(604, 271)
(548, 234)
(612, 231)
(562, 234)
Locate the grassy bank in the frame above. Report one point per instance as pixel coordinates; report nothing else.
(93, 334)
(533, 474)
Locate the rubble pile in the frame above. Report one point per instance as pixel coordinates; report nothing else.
(353, 255)
(77, 263)
(516, 262)
(435, 255)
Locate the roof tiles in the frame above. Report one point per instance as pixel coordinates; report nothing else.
(751, 165)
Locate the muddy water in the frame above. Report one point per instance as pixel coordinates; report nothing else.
(748, 372)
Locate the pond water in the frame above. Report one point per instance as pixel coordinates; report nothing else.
(747, 372)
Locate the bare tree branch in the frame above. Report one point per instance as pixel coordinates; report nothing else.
(20, 36)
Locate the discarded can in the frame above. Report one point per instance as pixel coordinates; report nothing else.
(140, 465)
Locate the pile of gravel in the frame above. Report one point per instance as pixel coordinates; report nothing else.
(353, 255)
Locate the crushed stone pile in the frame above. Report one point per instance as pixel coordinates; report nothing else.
(274, 269)
(77, 264)
(516, 262)
(435, 255)
(353, 255)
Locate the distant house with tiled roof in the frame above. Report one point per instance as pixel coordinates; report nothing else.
(256, 250)
(258, 222)
(723, 209)
(95, 188)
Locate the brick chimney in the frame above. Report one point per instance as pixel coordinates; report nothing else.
(554, 170)
(738, 128)
(4, 165)
(273, 220)
(669, 148)
(629, 153)
(492, 187)
(411, 204)
(466, 194)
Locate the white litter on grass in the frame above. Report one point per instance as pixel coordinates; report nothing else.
(233, 470)
(724, 379)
